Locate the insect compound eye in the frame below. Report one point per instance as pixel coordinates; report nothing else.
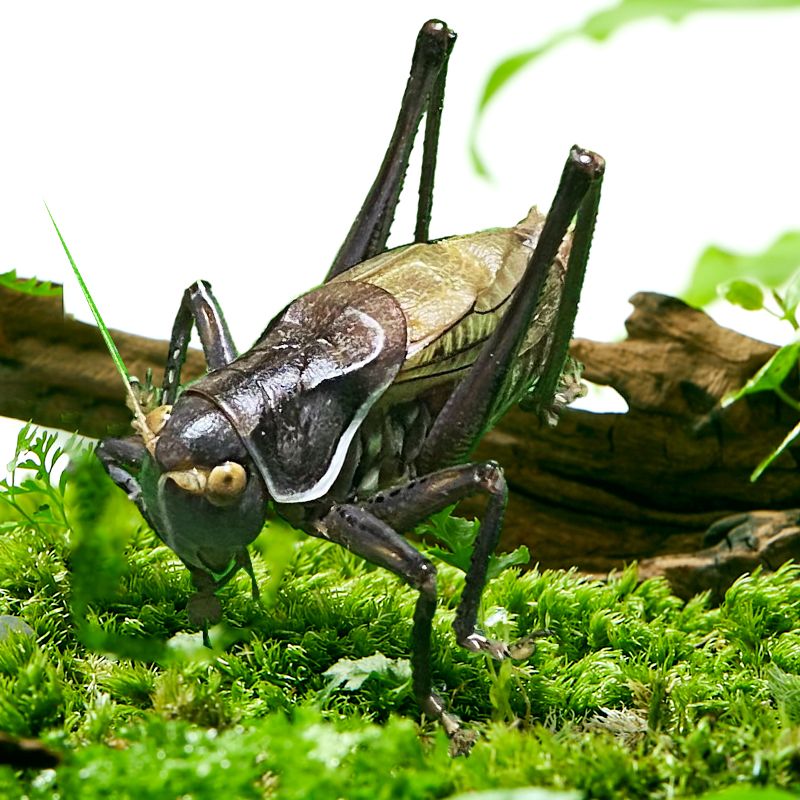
(157, 418)
(225, 483)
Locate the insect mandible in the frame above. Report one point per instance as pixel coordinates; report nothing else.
(355, 412)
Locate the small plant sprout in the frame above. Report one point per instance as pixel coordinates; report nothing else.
(772, 376)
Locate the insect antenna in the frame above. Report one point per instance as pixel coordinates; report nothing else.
(139, 422)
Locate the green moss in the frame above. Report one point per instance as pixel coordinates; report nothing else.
(631, 693)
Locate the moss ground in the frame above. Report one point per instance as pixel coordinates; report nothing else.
(632, 693)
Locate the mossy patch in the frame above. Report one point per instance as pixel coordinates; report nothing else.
(631, 693)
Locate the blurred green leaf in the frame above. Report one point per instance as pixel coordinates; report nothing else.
(526, 793)
(771, 375)
(791, 298)
(743, 293)
(141, 648)
(599, 27)
(748, 792)
(276, 543)
(102, 523)
(772, 267)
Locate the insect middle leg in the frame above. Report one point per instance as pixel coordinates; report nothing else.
(373, 539)
(370, 529)
(405, 506)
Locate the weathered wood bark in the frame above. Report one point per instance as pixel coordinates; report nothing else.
(600, 490)
(597, 491)
(57, 372)
(764, 539)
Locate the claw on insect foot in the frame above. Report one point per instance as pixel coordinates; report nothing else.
(478, 643)
(461, 739)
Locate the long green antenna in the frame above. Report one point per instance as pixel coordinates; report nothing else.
(112, 348)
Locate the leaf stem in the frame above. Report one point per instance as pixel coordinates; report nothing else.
(141, 423)
(787, 398)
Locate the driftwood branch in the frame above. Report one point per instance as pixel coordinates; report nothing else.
(597, 491)
(57, 372)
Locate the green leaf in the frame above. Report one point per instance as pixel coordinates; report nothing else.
(772, 267)
(771, 375)
(790, 437)
(30, 286)
(459, 536)
(746, 294)
(785, 688)
(599, 27)
(34, 497)
(350, 674)
(112, 348)
(499, 563)
(456, 533)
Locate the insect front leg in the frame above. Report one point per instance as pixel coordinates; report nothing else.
(204, 607)
(124, 459)
(120, 458)
(200, 308)
(370, 537)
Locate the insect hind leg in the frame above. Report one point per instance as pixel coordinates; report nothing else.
(490, 386)
(424, 95)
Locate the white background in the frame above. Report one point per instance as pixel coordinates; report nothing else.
(235, 142)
